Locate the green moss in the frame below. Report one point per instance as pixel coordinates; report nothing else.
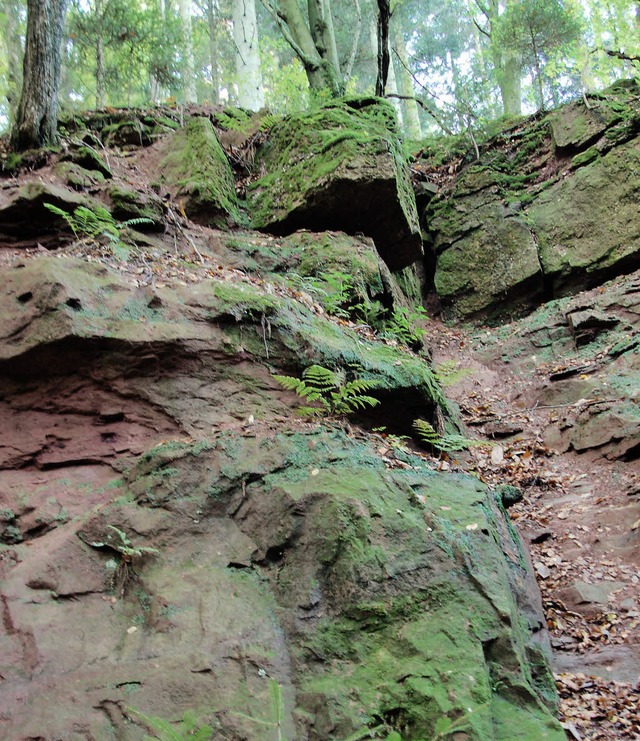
(584, 158)
(131, 204)
(350, 141)
(196, 164)
(243, 301)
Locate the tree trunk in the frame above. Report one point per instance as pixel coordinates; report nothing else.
(510, 84)
(538, 72)
(100, 87)
(245, 35)
(37, 118)
(15, 53)
(320, 72)
(188, 75)
(409, 106)
(213, 52)
(384, 17)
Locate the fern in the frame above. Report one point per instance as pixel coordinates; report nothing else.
(93, 223)
(447, 374)
(445, 443)
(330, 392)
(403, 325)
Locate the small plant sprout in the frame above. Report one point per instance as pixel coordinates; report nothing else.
(330, 392)
(128, 552)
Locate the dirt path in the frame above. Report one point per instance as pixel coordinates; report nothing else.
(579, 515)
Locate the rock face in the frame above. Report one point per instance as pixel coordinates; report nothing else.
(290, 558)
(175, 539)
(589, 343)
(340, 167)
(550, 208)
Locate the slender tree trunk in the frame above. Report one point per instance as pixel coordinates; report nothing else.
(510, 83)
(409, 106)
(320, 72)
(213, 51)
(15, 54)
(245, 35)
(100, 87)
(188, 75)
(391, 86)
(538, 73)
(384, 17)
(37, 119)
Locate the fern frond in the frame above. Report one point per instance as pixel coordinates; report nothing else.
(320, 378)
(426, 432)
(64, 214)
(289, 382)
(446, 443)
(359, 385)
(137, 221)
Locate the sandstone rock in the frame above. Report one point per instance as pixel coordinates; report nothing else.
(525, 223)
(25, 222)
(340, 167)
(196, 171)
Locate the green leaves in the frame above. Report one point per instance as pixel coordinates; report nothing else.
(404, 326)
(329, 390)
(94, 223)
(445, 443)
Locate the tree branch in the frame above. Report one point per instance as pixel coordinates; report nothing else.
(482, 30)
(619, 55)
(282, 24)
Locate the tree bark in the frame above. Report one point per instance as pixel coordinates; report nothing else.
(37, 119)
(508, 72)
(384, 17)
(321, 73)
(100, 86)
(245, 35)
(213, 51)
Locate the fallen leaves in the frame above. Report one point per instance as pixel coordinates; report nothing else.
(596, 709)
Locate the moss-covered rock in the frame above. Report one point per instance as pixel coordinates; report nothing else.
(196, 170)
(396, 599)
(587, 225)
(132, 204)
(303, 255)
(24, 220)
(491, 259)
(88, 158)
(78, 177)
(547, 210)
(339, 167)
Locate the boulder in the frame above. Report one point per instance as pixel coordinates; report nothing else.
(340, 167)
(549, 209)
(195, 170)
(24, 220)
